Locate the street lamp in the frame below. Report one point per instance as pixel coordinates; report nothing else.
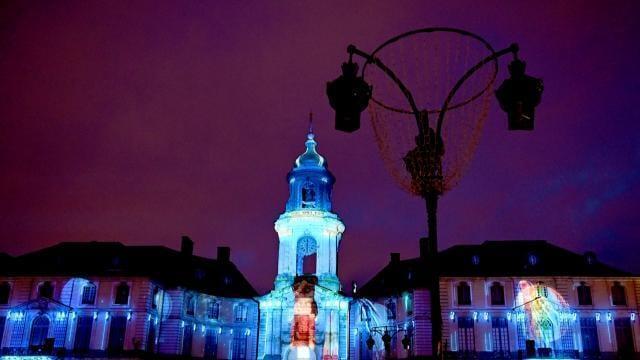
(350, 94)
(519, 95)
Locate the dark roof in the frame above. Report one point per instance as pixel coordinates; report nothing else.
(5, 261)
(170, 267)
(519, 258)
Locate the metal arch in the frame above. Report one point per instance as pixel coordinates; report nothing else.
(394, 39)
(513, 48)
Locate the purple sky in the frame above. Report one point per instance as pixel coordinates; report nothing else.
(142, 121)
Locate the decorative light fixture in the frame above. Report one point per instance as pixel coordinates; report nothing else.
(519, 95)
(406, 342)
(370, 342)
(348, 95)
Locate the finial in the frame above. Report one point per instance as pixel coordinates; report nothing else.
(310, 133)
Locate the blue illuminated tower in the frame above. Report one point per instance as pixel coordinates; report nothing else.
(302, 319)
(308, 228)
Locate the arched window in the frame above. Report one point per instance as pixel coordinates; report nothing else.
(584, 294)
(618, 295)
(213, 309)
(5, 290)
(497, 294)
(122, 294)
(308, 195)
(464, 293)
(39, 331)
(190, 305)
(89, 294)
(240, 313)
(306, 256)
(46, 290)
(391, 309)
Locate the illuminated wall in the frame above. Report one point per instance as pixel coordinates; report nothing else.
(305, 317)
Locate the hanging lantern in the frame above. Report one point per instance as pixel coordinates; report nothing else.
(370, 342)
(348, 95)
(386, 340)
(406, 342)
(519, 95)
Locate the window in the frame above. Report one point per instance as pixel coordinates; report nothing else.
(464, 293)
(46, 290)
(500, 336)
(618, 296)
(624, 337)
(213, 309)
(239, 345)
(391, 309)
(241, 313)
(122, 294)
(308, 195)
(89, 294)
(154, 297)
(497, 294)
(190, 305)
(542, 290)
(584, 294)
(5, 290)
(466, 336)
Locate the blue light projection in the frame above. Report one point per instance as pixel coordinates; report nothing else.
(304, 316)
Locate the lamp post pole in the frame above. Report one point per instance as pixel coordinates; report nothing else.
(349, 95)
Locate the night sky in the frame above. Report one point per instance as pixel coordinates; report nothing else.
(139, 122)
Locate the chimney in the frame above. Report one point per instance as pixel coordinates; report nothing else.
(224, 254)
(186, 247)
(395, 258)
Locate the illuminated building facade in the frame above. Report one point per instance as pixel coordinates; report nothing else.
(101, 299)
(502, 299)
(305, 316)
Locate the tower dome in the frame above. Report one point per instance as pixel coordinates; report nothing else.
(310, 158)
(310, 183)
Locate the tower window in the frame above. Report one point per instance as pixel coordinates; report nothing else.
(308, 195)
(306, 255)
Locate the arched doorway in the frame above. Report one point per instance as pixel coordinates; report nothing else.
(39, 331)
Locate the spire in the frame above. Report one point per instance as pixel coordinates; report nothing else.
(310, 156)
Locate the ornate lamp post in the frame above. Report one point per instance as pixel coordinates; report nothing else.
(429, 174)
